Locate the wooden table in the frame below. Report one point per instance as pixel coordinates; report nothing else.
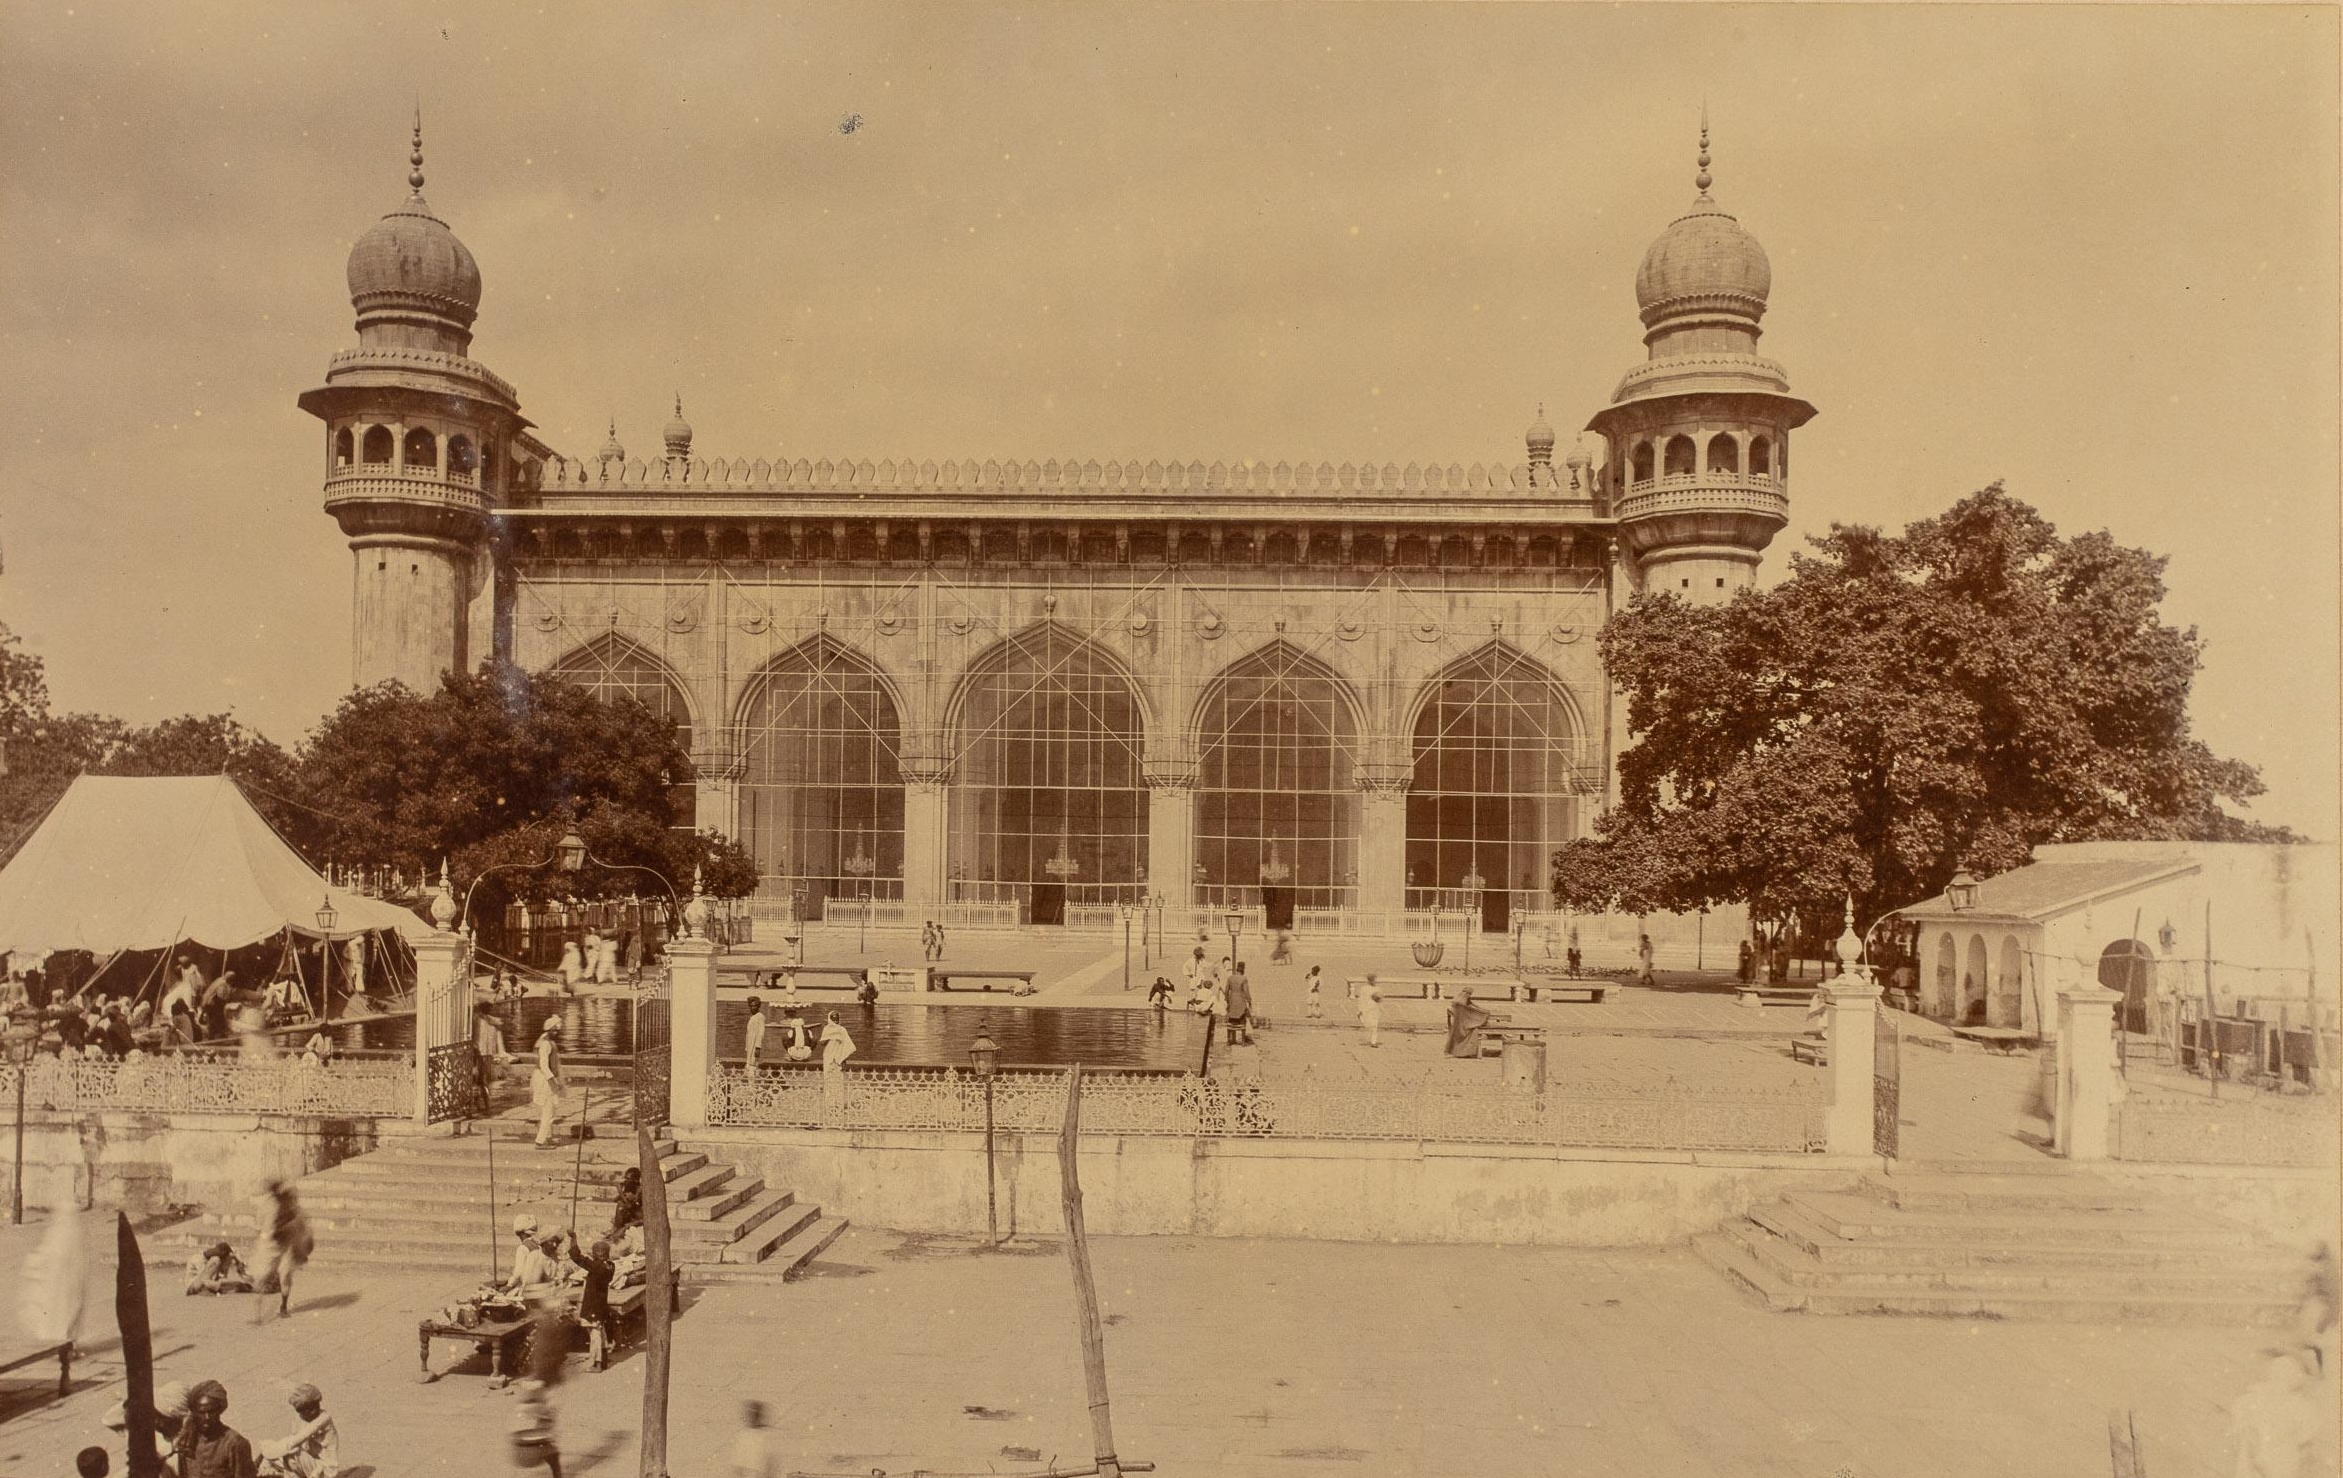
(495, 1336)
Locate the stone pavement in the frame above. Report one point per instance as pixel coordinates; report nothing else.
(1273, 1358)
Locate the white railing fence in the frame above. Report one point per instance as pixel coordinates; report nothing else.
(345, 1088)
(1666, 1116)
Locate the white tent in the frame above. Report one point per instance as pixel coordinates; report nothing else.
(139, 862)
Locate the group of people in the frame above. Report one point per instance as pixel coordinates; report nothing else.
(286, 1244)
(598, 958)
(836, 1042)
(1219, 992)
(195, 1440)
(931, 941)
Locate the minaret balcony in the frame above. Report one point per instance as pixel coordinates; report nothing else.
(1725, 492)
(378, 482)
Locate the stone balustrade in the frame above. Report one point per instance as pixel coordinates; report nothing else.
(1704, 490)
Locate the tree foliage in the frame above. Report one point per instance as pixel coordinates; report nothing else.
(1899, 705)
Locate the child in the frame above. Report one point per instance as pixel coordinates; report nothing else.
(1313, 1006)
(217, 1269)
(1159, 994)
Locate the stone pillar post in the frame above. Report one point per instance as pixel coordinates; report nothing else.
(1171, 835)
(1849, 1020)
(1383, 842)
(691, 1018)
(442, 960)
(2086, 1071)
(926, 773)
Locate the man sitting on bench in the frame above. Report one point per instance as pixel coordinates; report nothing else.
(1465, 1021)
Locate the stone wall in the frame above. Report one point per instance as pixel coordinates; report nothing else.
(143, 1162)
(1350, 1192)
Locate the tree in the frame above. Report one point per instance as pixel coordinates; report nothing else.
(493, 769)
(1898, 706)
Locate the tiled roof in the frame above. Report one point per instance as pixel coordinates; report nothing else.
(2040, 890)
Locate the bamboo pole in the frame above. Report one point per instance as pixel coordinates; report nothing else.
(1102, 1430)
(138, 1350)
(2211, 1050)
(658, 1308)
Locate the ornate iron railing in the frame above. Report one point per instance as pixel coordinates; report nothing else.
(380, 1089)
(1668, 1116)
(2230, 1131)
(653, 1068)
(453, 1087)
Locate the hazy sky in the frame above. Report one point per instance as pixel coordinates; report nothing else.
(2089, 251)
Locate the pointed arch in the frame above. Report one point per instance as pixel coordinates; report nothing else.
(1500, 761)
(820, 737)
(1277, 799)
(1049, 801)
(612, 667)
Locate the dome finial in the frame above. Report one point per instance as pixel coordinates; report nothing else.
(1702, 179)
(415, 159)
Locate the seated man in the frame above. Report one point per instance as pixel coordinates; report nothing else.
(533, 1272)
(312, 1451)
(217, 1269)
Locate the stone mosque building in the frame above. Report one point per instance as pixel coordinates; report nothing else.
(1033, 689)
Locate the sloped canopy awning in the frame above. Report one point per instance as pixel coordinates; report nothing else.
(140, 862)
(2043, 890)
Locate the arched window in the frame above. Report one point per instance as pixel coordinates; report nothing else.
(421, 452)
(1679, 456)
(616, 671)
(1498, 760)
(1724, 454)
(1641, 463)
(1048, 803)
(1761, 457)
(460, 460)
(1277, 801)
(343, 447)
(821, 791)
(378, 446)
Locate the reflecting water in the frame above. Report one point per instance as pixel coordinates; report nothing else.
(890, 1032)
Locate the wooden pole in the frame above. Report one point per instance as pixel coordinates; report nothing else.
(658, 1308)
(578, 1163)
(1102, 1427)
(488, 1129)
(138, 1350)
(2211, 1051)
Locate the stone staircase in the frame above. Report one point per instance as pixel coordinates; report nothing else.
(2016, 1240)
(423, 1203)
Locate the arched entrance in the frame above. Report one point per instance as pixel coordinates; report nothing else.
(1975, 980)
(1277, 796)
(2009, 986)
(1048, 805)
(2129, 966)
(1498, 750)
(821, 797)
(1944, 1000)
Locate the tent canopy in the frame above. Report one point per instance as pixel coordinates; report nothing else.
(140, 862)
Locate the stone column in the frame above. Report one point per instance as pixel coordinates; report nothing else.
(441, 961)
(1383, 842)
(2086, 1071)
(691, 1017)
(923, 847)
(1852, 1015)
(1171, 835)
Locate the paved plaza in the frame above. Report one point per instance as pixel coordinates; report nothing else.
(1226, 1357)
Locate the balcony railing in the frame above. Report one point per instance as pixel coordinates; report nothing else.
(380, 481)
(1724, 491)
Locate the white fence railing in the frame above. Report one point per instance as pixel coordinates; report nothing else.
(1668, 1116)
(370, 1088)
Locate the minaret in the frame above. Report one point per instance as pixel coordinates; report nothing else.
(418, 448)
(1699, 432)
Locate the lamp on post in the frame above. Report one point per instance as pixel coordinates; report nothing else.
(1235, 920)
(984, 1056)
(1961, 892)
(21, 1042)
(326, 917)
(1123, 911)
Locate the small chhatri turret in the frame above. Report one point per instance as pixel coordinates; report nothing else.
(678, 434)
(611, 450)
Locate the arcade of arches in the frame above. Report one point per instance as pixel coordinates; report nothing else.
(1043, 799)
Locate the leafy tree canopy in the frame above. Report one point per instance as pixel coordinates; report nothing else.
(1899, 705)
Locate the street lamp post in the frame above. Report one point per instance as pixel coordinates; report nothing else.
(1235, 920)
(984, 1055)
(1124, 909)
(21, 1043)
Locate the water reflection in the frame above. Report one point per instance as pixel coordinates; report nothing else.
(890, 1032)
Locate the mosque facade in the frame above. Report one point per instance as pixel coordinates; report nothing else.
(1349, 696)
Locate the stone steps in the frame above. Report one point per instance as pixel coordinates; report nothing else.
(2017, 1245)
(424, 1204)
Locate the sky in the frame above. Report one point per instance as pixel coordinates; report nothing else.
(2088, 251)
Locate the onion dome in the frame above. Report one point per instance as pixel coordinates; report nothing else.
(1704, 262)
(1540, 438)
(678, 434)
(411, 264)
(611, 450)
